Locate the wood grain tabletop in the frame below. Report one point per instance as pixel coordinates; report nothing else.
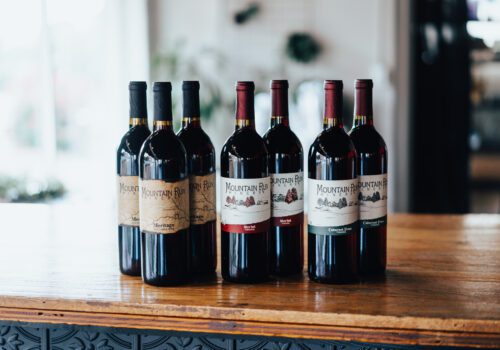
(59, 264)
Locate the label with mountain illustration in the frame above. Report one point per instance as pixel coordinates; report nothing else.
(287, 199)
(164, 206)
(246, 204)
(128, 200)
(202, 199)
(373, 200)
(333, 206)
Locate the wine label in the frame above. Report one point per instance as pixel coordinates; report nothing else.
(202, 199)
(128, 200)
(164, 206)
(333, 206)
(373, 200)
(246, 204)
(287, 199)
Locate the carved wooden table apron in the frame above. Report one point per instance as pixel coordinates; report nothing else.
(60, 289)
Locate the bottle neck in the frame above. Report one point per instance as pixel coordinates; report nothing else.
(191, 107)
(138, 112)
(245, 113)
(333, 109)
(137, 122)
(162, 125)
(363, 106)
(279, 110)
(192, 122)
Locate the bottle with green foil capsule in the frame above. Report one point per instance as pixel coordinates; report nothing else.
(372, 173)
(164, 198)
(127, 169)
(333, 226)
(201, 167)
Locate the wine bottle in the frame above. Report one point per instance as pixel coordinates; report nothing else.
(164, 198)
(245, 196)
(372, 172)
(333, 197)
(201, 168)
(127, 159)
(287, 187)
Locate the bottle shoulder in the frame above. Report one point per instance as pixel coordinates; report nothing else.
(163, 144)
(332, 142)
(196, 141)
(131, 142)
(281, 139)
(366, 139)
(245, 143)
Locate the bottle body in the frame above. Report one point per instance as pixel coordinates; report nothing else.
(127, 167)
(373, 183)
(164, 203)
(201, 168)
(245, 198)
(333, 226)
(286, 250)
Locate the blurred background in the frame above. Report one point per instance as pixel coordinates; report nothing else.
(65, 66)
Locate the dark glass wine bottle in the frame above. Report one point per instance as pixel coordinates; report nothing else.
(245, 196)
(164, 198)
(127, 168)
(372, 172)
(287, 187)
(333, 226)
(201, 168)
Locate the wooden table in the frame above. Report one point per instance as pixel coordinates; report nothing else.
(60, 289)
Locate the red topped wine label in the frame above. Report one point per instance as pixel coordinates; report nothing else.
(202, 199)
(128, 200)
(373, 200)
(333, 206)
(246, 205)
(287, 199)
(164, 206)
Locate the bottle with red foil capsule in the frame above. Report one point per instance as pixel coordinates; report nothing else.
(287, 187)
(201, 165)
(372, 173)
(333, 211)
(245, 196)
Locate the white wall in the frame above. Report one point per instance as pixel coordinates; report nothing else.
(360, 38)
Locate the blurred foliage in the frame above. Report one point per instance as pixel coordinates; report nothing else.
(15, 190)
(302, 47)
(243, 16)
(177, 65)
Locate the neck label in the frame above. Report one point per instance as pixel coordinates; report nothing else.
(128, 200)
(373, 200)
(287, 200)
(164, 206)
(246, 204)
(333, 206)
(202, 199)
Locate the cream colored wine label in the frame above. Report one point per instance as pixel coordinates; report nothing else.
(202, 199)
(164, 206)
(128, 200)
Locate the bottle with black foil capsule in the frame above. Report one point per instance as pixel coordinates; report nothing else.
(164, 198)
(127, 168)
(201, 168)
(333, 226)
(245, 196)
(287, 187)
(372, 173)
